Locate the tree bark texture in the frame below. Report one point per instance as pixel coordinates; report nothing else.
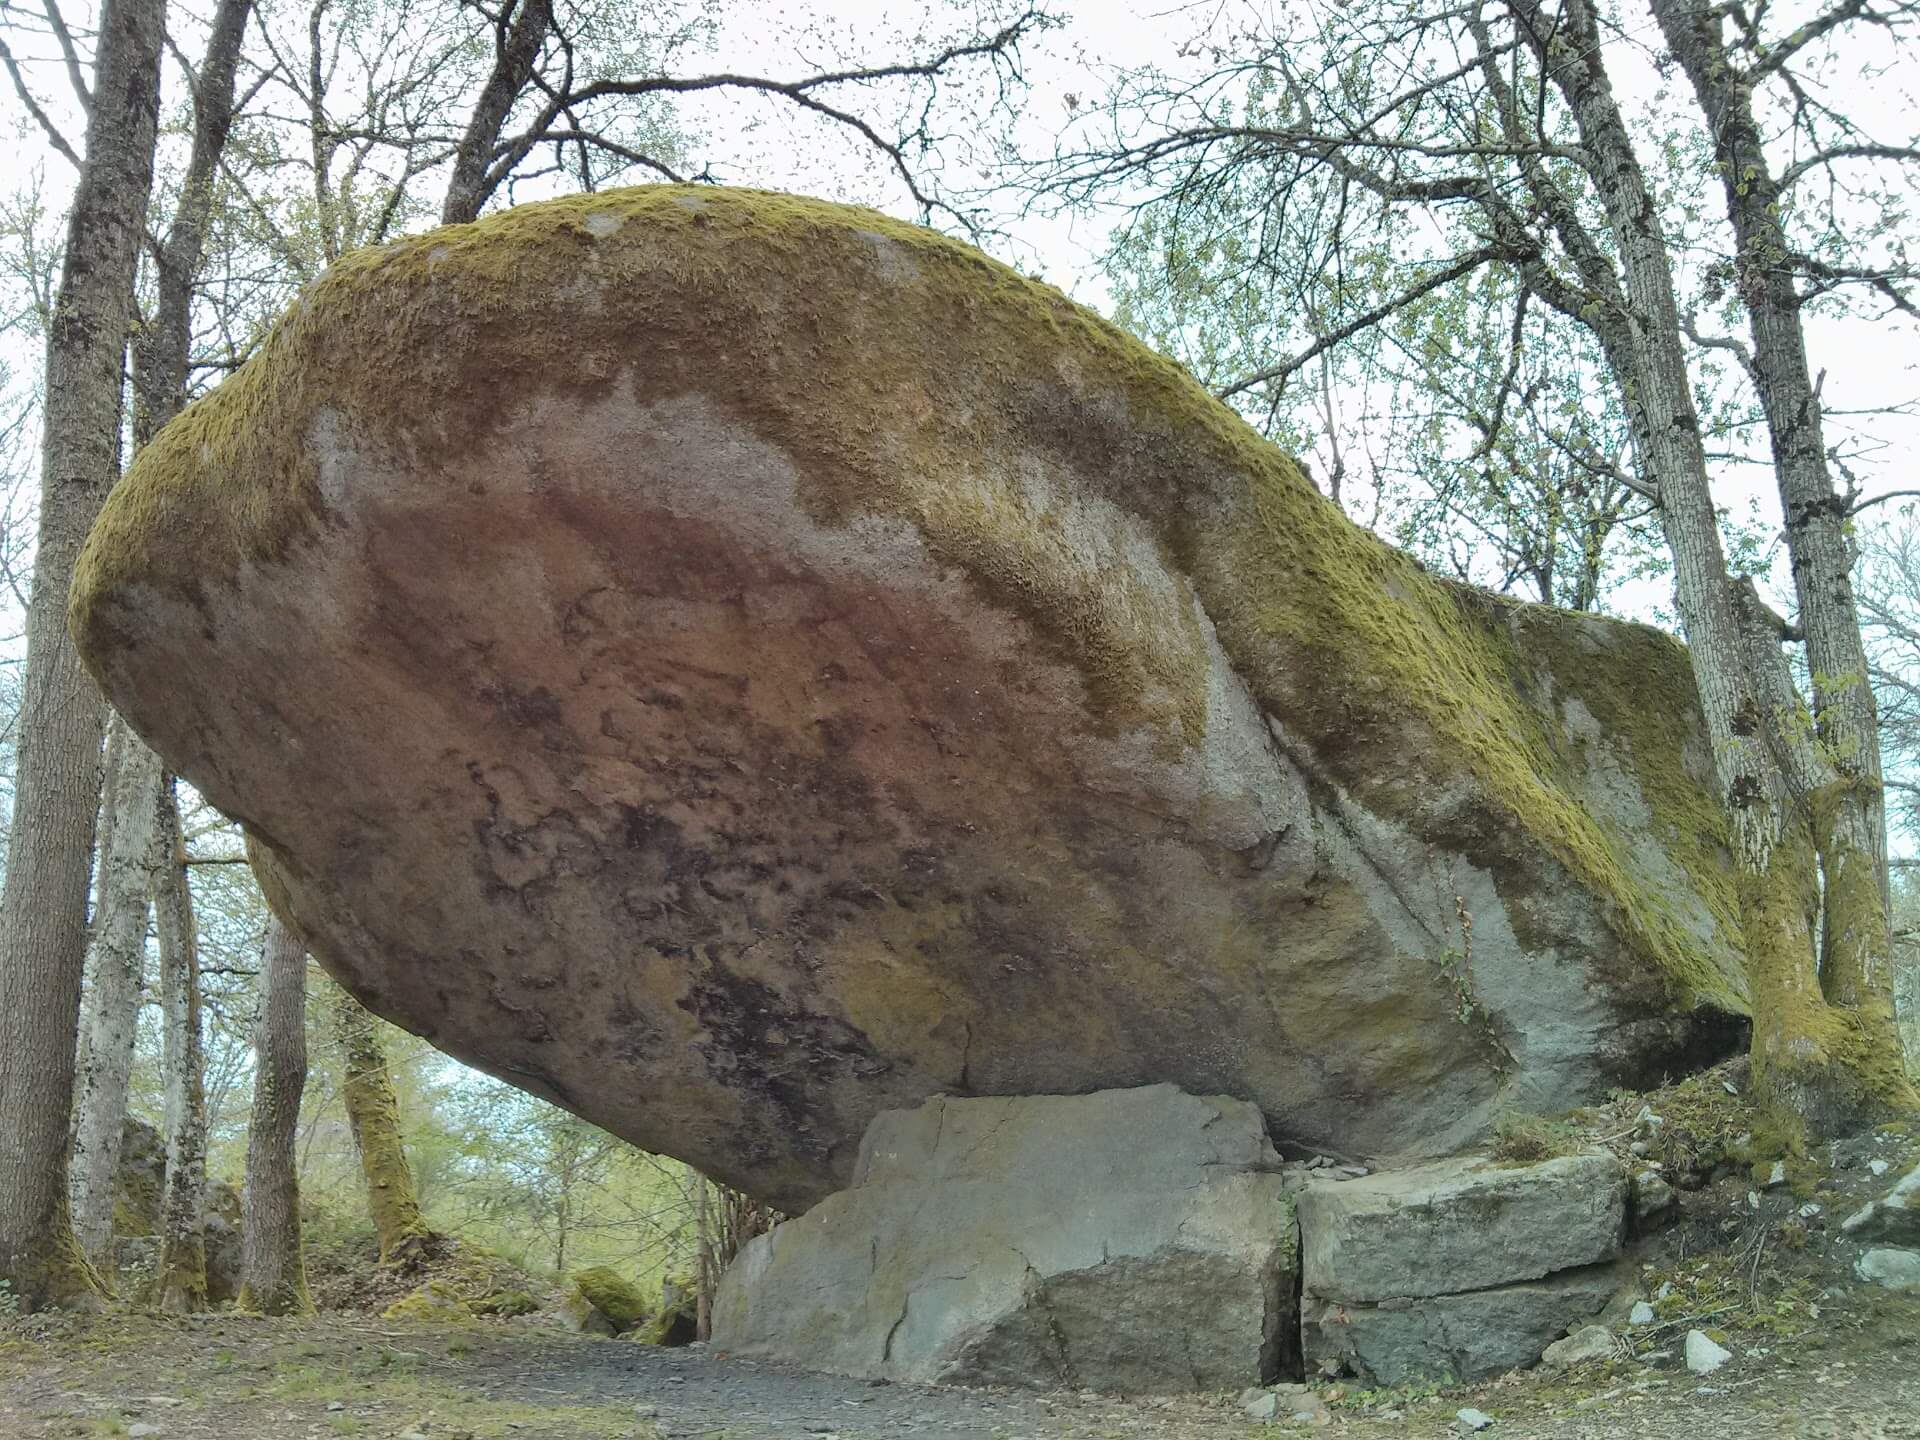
(273, 1272)
(373, 1110)
(517, 50)
(162, 352)
(57, 782)
(180, 1274)
(117, 964)
(1850, 827)
(1828, 1074)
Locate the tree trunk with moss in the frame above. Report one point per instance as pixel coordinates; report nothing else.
(1826, 1048)
(116, 962)
(373, 1110)
(43, 911)
(1844, 801)
(180, 1274)
(1818, 1061)
(273, 1273)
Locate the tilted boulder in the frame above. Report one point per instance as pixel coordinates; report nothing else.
(1462, 1269)
(732, 665)
(1132, 1241)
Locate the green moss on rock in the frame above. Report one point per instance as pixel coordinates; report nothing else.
(677, 1322)
(835, 323)
(616, 1298)
(437, 1300)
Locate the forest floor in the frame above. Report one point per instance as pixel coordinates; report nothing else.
(1753, 1253)
(234, 1378)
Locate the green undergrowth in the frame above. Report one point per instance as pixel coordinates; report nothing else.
(1520, 1139)
(910, 379)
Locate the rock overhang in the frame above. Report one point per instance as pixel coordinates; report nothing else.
(734, 664)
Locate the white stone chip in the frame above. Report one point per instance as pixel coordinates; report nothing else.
(1703, 1356)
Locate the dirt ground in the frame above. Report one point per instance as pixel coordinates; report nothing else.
(236, 1378)
(1752, 1253)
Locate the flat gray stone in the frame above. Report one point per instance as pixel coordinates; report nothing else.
(1458, 1225)
(1467, 1337)
(1894, 1269)
(1589, 1342)
(1129, 1241)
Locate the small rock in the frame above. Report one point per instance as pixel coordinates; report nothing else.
(1654, 1200)
(1474, 1419)
(1666, 1289)
(1264, 1406)
(1308, 1410)
(1641, 1314)
(1877, 1166)
(1895, 1269)
(646, 1412)
(334, 1406)
(1703, 1356)
(1640, 1149)
(1808, 1211)
(1729, 1087)
(1590, 1342)
(1753, 1199)
(142, 1431)
(1777, 1175)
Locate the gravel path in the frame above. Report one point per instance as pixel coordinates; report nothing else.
(228, 1378)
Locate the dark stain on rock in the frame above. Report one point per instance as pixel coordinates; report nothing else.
(785, 1057)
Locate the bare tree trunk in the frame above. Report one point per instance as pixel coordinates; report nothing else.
(373, 1110)
(516, 50)
(180, 1275)
(273, 1274)
(118, 962)
(43, 911)
(162, 351)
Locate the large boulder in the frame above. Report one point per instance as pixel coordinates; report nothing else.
(139, 1189)
(733, 665)
(1133, 1241)
(1463, 1269)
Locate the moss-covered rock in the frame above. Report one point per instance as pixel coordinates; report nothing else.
(616, 1298)
(506, 1304)
(798, 665)
(437, 1301)
(677, 1321)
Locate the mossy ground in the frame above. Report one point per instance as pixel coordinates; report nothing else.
(893, 401)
